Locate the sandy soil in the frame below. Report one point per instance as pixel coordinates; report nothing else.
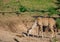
(11, 28)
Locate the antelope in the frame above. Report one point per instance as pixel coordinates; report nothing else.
(50, 23)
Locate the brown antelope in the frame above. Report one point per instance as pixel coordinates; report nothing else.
(41, 21)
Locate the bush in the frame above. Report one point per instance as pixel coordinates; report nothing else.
(58, 23)
(22, 8)
(52, 10)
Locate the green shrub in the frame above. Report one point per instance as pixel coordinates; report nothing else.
(52, 10)
(58, 23)
(22, 8)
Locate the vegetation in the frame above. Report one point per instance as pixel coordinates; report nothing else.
(22, 9)
(30, 4)
(58, 9)
(42, 6)
(58, 23)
